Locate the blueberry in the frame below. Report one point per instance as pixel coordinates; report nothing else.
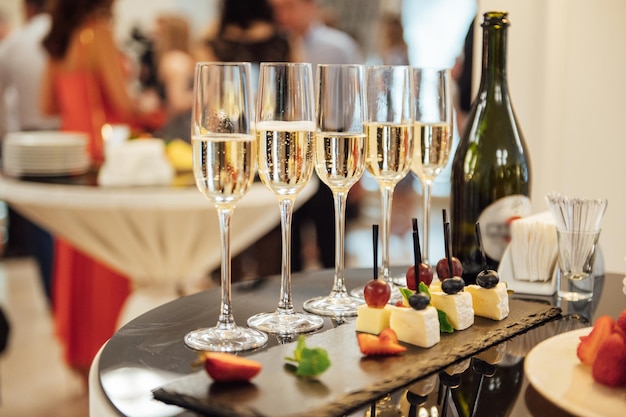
(416, 399)
(419, 300)
(452, 285)
(483, 368)
(452, 381)
(487, 278)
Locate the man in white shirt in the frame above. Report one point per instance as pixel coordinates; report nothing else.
(320, 43)
(22, 63)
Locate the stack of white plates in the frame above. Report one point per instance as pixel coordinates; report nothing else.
(45, 153)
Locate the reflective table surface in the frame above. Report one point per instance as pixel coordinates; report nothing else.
(149, 352)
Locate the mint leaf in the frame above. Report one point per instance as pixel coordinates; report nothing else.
(311, 362)
(444, 323)
(406, 293)
(424, 288)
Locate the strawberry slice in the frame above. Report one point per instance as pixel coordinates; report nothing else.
(589, 345)
(226, 367)
(388, 335)
(371, 345)
(609, 367)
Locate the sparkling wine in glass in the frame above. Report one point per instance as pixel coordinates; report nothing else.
(389, 131)
(224, 162)
(339, 162)
(285, 128)
(432, 134)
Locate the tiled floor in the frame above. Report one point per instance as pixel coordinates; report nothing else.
(33, 379)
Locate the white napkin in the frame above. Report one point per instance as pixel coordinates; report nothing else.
(533, 247)
(136, 162)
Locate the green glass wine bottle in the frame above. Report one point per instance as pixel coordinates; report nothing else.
(490, 180)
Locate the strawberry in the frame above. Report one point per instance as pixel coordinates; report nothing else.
(371, 345)
(388, 335)
(609, 367)
(589, 345)
(226, 367)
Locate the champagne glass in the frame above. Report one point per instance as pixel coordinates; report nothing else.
(432, 134)
(285, 127)
(389, 134)
(339, 162)
(224, 152)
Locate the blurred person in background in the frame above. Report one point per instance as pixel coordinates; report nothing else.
(5, 25)
(319, 44)
(394, 50)
(246, 32)
(174, 75)
(22, 63)
(85, 83)
(7, 98)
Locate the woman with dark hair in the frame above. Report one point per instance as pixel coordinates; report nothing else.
(85, 84)
(247, 32)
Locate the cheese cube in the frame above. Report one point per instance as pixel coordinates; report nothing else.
(372, 320)
(417, 327)
(492, 303)
(458, 308)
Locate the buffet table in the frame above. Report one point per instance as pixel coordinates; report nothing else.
(149, 353)
(165, 238)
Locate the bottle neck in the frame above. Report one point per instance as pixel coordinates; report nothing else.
(494, 58)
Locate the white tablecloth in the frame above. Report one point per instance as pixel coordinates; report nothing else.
(164, 238)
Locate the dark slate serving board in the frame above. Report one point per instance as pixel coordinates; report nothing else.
(352, 381)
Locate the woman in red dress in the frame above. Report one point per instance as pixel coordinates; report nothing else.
(85, 84)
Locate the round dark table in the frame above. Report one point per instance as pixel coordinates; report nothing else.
(149, 351)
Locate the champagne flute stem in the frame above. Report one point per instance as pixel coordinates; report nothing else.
(426, 191)
(226, 320)
(387, 200)
(340, 199)
(285, 305)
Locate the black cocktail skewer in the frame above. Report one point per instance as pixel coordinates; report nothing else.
(479, 239)
(446, 237)
(417, 250)
(487, 278)
(375, 246)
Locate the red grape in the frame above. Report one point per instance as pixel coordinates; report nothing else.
(426, 273)
(444, 272)
(376, 293)
(425, 276)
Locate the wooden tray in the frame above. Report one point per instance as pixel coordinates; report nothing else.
(352, 381)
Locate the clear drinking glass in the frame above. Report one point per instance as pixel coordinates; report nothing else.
(432, 134)
(224, 162)
(339, 161)
(577, 253)
(285, 127)
(388, 128)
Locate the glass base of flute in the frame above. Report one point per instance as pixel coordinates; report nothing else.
(285, 320)
(225, 339)
(394, 283)
(384, 272)
(226, 336)
(336, 304)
